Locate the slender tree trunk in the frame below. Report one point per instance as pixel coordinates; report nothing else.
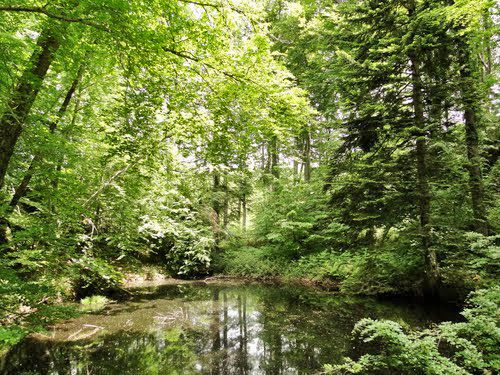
(55, 181)
(274, 157)
(216, 187)
(226, 204)
(423, 188)
(296, 159)
(487, 56)
(244, 212)
(4, 225)
(437, 71)
(11, 123)
(263, 157)
(216, 206)
(268, 167)
(307, 156)
(19, 106)
(239, 209)
(242, 194)
(471, 106)
(23, 186)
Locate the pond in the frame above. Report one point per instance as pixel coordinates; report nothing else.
(212, 328)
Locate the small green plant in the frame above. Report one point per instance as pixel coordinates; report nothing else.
(10, 336)
(94, 303)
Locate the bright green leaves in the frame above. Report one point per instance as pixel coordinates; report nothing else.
(450, 348)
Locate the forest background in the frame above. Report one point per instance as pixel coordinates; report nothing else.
(353, 144)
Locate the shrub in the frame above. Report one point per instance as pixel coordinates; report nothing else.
(95, 275)
(252, 262)
(468, 347)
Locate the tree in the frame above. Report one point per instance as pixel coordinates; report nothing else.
(23, 97)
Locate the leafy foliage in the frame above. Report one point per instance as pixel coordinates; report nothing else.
(348, 142)
(450, 348)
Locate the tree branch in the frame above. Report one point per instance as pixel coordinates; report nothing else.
(92, 24)
(52, 15)
(196, 59)
(105, 185)
(212, 5)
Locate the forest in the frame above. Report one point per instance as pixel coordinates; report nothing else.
(349, 145)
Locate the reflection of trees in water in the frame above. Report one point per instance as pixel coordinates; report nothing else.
(222, 331)
(228, 353)
(121, 353)
(242, 357)
(217, 360)
(263, 335)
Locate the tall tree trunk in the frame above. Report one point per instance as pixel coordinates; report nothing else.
(471, 106)
(244, 212)
(307, 156)
(423, 188)
(242, 194)
(239, 209)
(226, 203)
(263, 157)
(268, 168)
(216, 206)
(4, 225)
(23, 186)
(296, 159)
(274, 157)
(11, 123)
(19, 106)
(60, 162)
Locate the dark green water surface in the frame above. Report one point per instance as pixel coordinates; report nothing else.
(215, 328)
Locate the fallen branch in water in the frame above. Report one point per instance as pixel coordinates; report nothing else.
(86, 335)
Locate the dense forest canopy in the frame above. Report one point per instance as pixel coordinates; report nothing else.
(354, 143)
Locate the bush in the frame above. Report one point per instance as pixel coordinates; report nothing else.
(366, 273)
(185, 246)
(474, 264)
(468, 347)
(294, 220)
(95, 276)
(252, 262)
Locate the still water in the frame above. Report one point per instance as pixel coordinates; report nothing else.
(216, 329)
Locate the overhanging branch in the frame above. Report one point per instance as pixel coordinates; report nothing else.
(212, 5)
(52, 15)
(87, 22)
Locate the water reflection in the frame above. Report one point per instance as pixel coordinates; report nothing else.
(209, 329)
